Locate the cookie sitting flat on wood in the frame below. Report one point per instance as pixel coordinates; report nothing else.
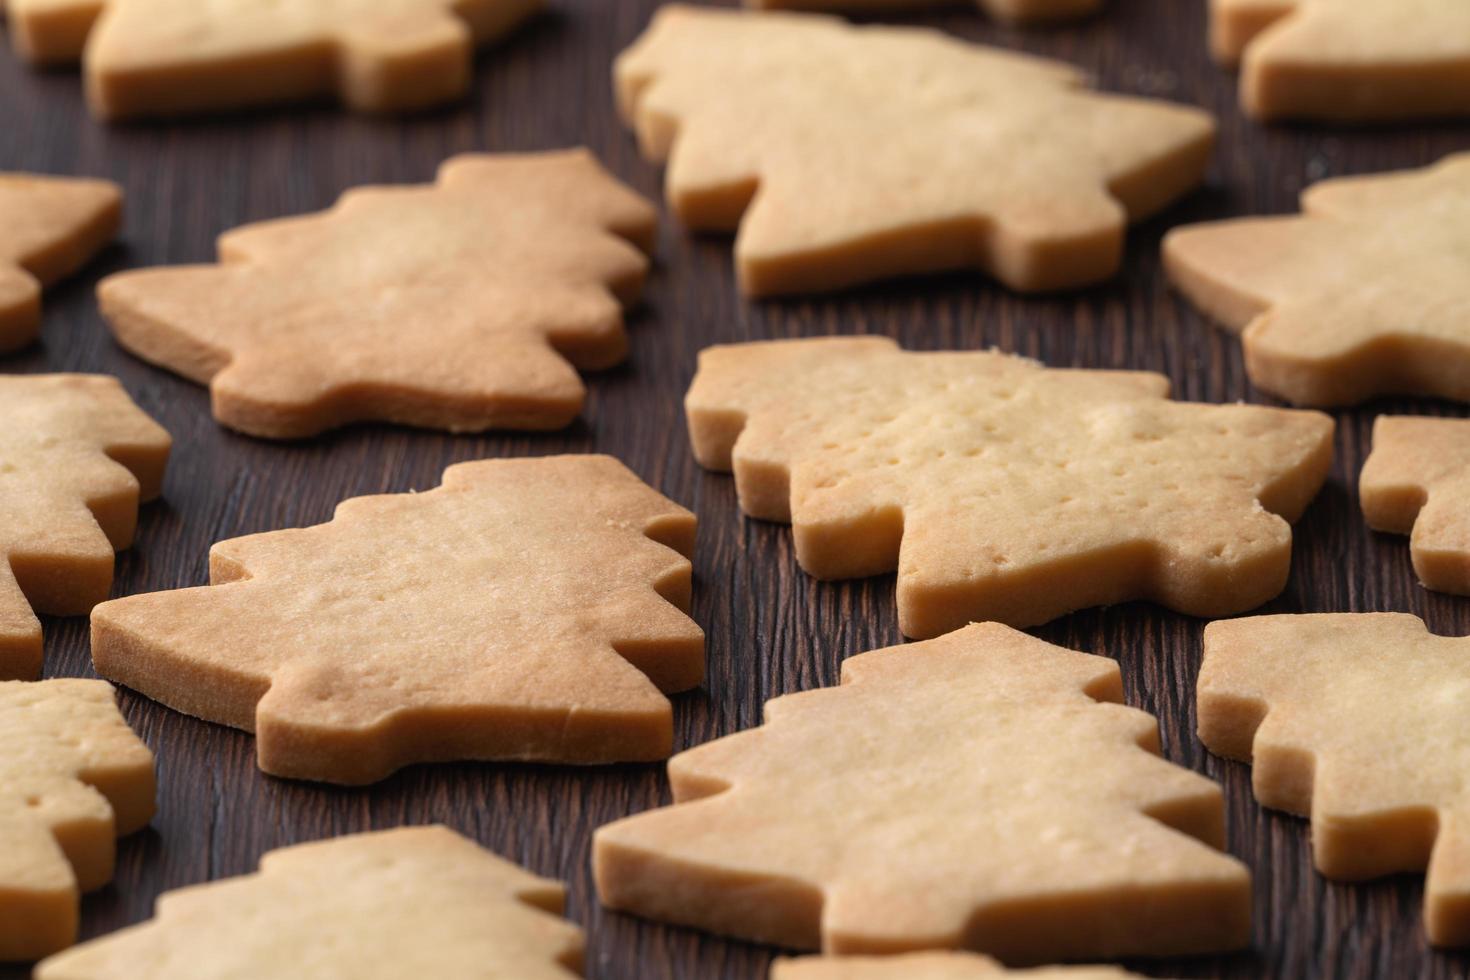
(1366, 293)
(414, 902)
(49, 228)
(76, 457)
(1008, 11)
(977, 791)
(1358, 721)
(1417, 482)
(462, 305)
(177, 57)
(528, 609)
(931, 966)
(849, 154)
(1003, 490)
(73, 778)
(1347, 60)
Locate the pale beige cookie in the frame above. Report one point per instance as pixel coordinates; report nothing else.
(49, 228)
(415, 902)
(1000, 489)
(73, 778)
(179, 57)
(1364, 294)
(1346, 60)
(968, 792)
(463, 305)
(528, 609)
(931, 966)
(1417, 482)
(1358, 721)
(848, 154)
(76, 457)
(1008, 11)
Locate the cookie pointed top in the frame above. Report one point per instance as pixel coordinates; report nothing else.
(413, 902)
(979, 791)
(847, 154)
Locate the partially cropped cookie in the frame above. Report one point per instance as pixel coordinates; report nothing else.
(49, 228)
(464, 305)
(1357, 721)
(1417, 482)
(528, 609)
(1000, 489)
(985, 790)
(179, 57)
(76, 457)
(1365, 293)
(849, 154)
(1346, 60)
(1007, 11)
(414, 902)
(73, 778)
(931, 966)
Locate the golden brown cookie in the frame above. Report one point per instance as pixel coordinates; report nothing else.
(49, 228)
(463, 305)
(1417, 482)
(848, 154)
(1008, 11)
(1000, 489)
(1365, 293)
(76, 457)
(967, 792)
(1346, 60)
(73, 778)
(931, 966)
(528, 609)
(179, 57)
(415, 902)
(1358, 721)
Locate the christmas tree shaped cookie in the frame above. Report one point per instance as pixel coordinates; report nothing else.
(414, 902)
(846, 154)
(931, 966)
(49, 228)
(1417, 482)
(528, 609)
(1003, 490)
(1364, 294)
(73, 777)
(1009, 11)
(1346, 60)
(176, 57)
(1357, 721)
(462, 305)
(76, 456)
(975, 791)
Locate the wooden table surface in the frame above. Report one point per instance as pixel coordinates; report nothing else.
(770, 629)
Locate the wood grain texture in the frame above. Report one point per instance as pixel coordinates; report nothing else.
(771, 630)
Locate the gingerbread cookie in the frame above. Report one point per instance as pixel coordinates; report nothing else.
(1417, 482)
(76, 457)
(1000, 489)
(848, 154)
(931, 966)
(528, 609)
(178, 57)
(1008, 11)
(1358, 721)
(49, 228)
(1364, 294)
(462, 305)
(415, 902)
(968, 792)
(1346, 60)
(73, 778)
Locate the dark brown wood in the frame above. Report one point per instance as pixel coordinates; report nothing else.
(771, 629)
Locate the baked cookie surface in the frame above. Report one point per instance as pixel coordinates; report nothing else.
(1417, 482)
